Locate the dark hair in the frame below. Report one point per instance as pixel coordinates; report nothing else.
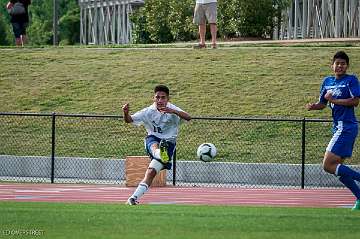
(341, 55)
(162, 88)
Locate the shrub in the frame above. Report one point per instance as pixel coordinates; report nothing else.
(162, 21)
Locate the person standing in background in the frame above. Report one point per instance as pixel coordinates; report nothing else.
(18, 10)
(206, 10)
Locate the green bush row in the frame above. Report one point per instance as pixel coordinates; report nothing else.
(164, 21)
(159, 21)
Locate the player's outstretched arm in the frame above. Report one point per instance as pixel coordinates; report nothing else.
(126, 111)
(181, 114)
(315, 106)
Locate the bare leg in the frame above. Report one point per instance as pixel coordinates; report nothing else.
(347, 176)
(23, 39)
(143, 187)
(18, 42)
(213, 30)
(149, 176)
(202, 32)
(331, 161)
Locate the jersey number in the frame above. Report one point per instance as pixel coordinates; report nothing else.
(157, 129)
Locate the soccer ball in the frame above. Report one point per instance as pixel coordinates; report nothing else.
(206, 152)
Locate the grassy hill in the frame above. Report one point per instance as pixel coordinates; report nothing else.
(250, 81)
(270, 81)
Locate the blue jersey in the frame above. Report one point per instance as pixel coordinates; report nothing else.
(345, 87)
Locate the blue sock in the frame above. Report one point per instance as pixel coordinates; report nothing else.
(345, 171)
(351, 184)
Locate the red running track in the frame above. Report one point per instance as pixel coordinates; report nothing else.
(177, 195)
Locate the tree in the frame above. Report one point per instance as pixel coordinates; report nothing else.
(3, 32)
(40, 30)
(163, 21)
(70, 23)
(6, 35)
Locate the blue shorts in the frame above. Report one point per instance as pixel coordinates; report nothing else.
(342, 142)
(150, 140)
(19, 28)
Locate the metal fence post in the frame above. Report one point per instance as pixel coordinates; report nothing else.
(174, 168)
(53, 127)
(303, 151)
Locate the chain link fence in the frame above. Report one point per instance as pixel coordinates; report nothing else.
(252, 152)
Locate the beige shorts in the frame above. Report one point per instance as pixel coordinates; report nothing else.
(205, 12)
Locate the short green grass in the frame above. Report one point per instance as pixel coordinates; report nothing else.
(250, 81)
(62, 220)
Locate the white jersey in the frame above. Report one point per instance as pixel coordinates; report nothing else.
(205, 1)
(161, 125)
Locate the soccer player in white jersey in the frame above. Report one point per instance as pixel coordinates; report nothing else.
(161, 121)
(342, 92)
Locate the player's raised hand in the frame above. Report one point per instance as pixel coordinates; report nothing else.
(181, 114)
(166, 110)
(126, 108)
(127, 116)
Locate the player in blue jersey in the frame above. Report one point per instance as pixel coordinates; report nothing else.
(342, 92)
(161, 121)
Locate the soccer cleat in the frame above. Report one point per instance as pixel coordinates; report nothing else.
(163, 151)
(132, 201)
(356, 207)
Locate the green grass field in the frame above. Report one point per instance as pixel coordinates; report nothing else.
(57, 220)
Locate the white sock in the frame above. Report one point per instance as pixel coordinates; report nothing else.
(140, 190)
(337, 170)
(156, 153)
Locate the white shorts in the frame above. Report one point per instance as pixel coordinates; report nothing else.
(156, 165)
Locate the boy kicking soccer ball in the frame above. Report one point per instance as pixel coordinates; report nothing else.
(342, 92)
(161, 121)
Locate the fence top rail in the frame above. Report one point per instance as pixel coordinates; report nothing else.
(319, 120)
(59, 115)
(245, 118)
(24, 114)
(235, 118)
